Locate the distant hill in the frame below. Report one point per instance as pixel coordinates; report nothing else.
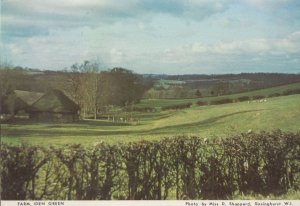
(191, 86)
(280, 90)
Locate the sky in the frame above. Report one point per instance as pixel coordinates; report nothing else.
(153, 36)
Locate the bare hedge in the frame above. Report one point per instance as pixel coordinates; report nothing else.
(177, 106)
(173, 168)
(139, 109)
(291, 92)
(202, 103)
(258, 97)
(221, 101)
(243, 98)
(274, 95)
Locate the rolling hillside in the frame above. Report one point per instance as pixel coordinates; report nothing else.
(209, 121)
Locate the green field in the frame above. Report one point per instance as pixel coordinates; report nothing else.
(265, 92)
(209, 121)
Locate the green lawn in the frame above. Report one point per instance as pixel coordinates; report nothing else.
(210, 121)
(265, 92)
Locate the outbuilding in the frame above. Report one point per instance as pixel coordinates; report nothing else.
(54, 106)
(12, 104)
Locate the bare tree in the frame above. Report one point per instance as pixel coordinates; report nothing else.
(83, 86)
(92, 89)
(91, 86)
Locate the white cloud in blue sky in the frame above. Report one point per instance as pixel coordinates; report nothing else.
(154, 36)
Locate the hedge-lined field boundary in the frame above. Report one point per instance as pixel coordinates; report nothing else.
(247, 98)
(173, 168)
(177, 106)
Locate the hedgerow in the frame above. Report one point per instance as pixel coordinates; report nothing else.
(221, 101)
(243, 98)
(258, 97)
(177, 106)
(274, 95)
(172, 168)
(202, 103)
(139, 109)
(291, 92)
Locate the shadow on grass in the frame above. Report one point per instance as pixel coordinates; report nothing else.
(66, 124)
(66, 133)
(98, 123)
(204, 123)
(88, 132)
(155, 116)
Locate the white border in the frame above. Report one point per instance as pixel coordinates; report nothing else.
(156, 203)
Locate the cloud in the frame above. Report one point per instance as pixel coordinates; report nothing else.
(54, 51)
(61, 49)
(241, 55)
(267, 4)
(288, 45)
(285, 10)
(117, 56)
(34, 17)
(260, 54)
(152, 35)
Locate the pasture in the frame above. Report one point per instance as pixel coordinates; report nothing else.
(208, 121)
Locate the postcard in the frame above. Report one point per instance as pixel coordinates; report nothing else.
(139, 102)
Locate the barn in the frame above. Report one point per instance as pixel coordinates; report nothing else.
(15, 105)
(12, 104)
(54, 106)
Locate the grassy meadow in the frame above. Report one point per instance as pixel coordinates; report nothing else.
(210, 121)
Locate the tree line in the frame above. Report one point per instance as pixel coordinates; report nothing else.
(94, 90)
(87, 84)
(10, 80)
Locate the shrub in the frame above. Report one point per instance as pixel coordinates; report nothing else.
(202, 103)
(139, 109)
(243, 98)
(274, 95)
(291, 92)
(177, 106)
(221, 101)
(258, 97)
(20, 166)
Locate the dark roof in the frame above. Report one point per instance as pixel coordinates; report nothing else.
(54, 101)
(20, 104)
(28, 97)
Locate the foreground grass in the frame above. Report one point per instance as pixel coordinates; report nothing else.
(209, 121)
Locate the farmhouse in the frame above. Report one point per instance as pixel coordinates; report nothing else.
(54, 106)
